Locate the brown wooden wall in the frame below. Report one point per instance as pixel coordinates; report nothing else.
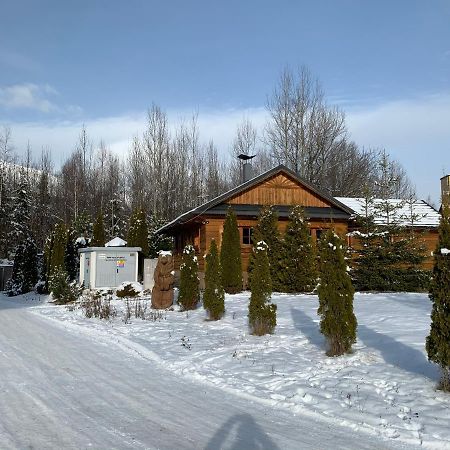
(279, 190)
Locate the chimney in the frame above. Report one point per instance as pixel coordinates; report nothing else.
(246, 167)
(445, 189)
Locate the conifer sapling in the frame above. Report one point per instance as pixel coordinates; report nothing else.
(338, 322)
(214, 294)
(189, 294)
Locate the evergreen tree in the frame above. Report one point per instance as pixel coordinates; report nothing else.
(214, 294)
(390, 255)
(138, 231)
(19, 227)
(98, 233)
(48, 249)
(267, 230)
(438, 342)
(58, 248)
(82, 224)
(338, 322)
(25, 269)
(189, 294)
(299, 268)
(230, 255)
(262, 315)
(71, 259)
(157, 241)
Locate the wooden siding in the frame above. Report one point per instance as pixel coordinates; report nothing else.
(279, 190)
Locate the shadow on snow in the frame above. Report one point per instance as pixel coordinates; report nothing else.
(308, 327)
(241, 432)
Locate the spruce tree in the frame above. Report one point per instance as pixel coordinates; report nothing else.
(214, 294)
(230, 255)
(98, 233)
(138, 231)
(25, 269)
(338, 322)
(267, 230)
(189, 294)
(438, 342)
(261, 313)
(299, 267)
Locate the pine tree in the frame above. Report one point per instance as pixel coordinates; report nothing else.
(71, 259)
(189, 294)
(214, 294)
(138, 231)
(98, 233)
(82, 224)
(25, 269)
(267, 230)
(338, 322)
(261, 313)
(230, 255)
(299, 268)
(438, 342)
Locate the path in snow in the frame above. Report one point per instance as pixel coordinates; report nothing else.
(60, 389)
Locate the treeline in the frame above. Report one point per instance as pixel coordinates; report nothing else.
(169, 170)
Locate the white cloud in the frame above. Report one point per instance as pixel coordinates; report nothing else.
(27, 96)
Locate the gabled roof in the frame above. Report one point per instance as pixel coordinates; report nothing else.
(424, 214)
(202, 209)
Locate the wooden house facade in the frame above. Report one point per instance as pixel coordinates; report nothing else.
(278, 187)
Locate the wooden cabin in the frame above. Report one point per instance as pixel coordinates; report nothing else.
(281, 188)
(278, 187)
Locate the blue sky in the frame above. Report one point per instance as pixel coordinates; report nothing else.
(103, 63)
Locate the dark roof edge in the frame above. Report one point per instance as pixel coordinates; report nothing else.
(199, 210)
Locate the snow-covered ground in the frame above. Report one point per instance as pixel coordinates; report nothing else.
(68, 386)
(386, 387)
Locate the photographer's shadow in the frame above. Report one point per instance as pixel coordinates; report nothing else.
(241, 432)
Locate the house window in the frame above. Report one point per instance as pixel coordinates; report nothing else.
(318, 234)
(247, 233)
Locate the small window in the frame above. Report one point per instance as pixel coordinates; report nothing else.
(318, 234)
(247, 233)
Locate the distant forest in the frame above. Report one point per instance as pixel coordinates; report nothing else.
(166, 173)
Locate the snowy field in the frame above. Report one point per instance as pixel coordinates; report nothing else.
(386, 387)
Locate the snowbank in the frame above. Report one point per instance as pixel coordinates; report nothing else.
(387, 386)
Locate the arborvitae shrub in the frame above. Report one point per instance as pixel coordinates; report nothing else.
(230, 255)
(438, 342)
(214, 294)
(299, 261)
(338, 322)
(262, 315)
(71, 260)
(189, 294)
(267, 230)
(58, 248)
(138, 231)
(98, 233)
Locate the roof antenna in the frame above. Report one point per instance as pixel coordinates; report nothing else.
(246, 167)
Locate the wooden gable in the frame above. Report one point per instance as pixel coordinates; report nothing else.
(279, 190)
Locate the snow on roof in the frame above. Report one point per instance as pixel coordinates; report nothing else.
(425, 215)
(116, 242)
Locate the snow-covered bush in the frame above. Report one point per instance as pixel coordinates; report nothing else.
(127, 290)
(95, 305)
(338, 322)
(62, 289)
(189, 294)
(214, 295)
(262, 315)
